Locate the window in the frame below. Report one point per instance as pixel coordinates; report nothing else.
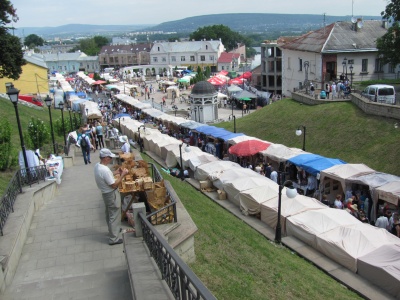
(158, 49)
(87, 66)
(81, 64)
(364, 65)
(288, 63)
(212, 57)
(378, 65)
(155, 59)
(350, 62)
(202, 58)
(163, 59)
(65, 68)
(206, 47)
(300, 64)
(223, 68)
(183, 58)
(392, 68)
(191, 58)
(73, 67)
(173, 58)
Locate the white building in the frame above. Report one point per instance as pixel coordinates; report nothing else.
(331, 52)
(165, 56)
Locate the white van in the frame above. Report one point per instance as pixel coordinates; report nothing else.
(380, 93)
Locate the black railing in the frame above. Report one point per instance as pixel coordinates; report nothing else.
(180, 279)
(21, 178)
(166, 214)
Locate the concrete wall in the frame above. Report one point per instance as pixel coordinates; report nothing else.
(371, 108)
(18, 224)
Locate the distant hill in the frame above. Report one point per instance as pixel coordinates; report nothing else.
(254, 23)
(244, 23)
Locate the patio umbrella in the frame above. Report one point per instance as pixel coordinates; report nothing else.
(248, 148)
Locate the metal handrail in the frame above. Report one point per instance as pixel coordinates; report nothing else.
(21, 178)
(181, 280)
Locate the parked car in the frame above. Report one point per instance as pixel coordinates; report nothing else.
(380, 93)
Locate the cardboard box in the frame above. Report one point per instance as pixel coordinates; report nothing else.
(147, 183)
(221, 195)
(205, 184)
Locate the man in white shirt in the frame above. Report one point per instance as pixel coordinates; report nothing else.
(109, 190)
(382, 221)
(126, 148)
(274, 175)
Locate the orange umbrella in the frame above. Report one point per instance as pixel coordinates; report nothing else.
(248, 148)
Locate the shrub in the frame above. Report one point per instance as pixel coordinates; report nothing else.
(38, 133)
(5, 144)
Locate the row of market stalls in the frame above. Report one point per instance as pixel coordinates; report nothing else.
(371, 252)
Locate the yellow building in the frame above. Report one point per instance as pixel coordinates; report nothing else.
(33, 79)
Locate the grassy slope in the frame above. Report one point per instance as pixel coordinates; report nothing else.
(337, 130)
(236, 262)
(7, 111)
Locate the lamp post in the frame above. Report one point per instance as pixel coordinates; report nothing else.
(70, 117)
(61, 106)
(139, 139)
(54, 97)
(200, 108)
(299, 132)
(75, 122)
(152, 102)
(13, 93)
(195, 113)
(344, 64)
(291, 192)
(48, 102)
(187, 149)
(232, 106)
(351, 75)
(234, 123)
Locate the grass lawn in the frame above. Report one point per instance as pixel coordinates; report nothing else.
(236, 262)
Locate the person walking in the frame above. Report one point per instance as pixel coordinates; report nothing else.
(108, 186)
(85, 145)
(99, 134)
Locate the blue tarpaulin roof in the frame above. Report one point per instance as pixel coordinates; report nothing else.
(122, 115)
(313, 163)
(217, 132)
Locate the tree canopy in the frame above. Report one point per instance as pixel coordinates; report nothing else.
(91, 46)
(11, 55)
(389, 44)
(33, 41)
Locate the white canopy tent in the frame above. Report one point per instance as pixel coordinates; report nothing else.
(202, 172)
(220, 178)
(389, 192)
(204, 158)
(289, 207)
(307, 225)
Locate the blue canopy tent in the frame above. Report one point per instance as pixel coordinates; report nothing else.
(76, 104)
(313, 163)
(191, 125)
(229, 136)
(121, 116)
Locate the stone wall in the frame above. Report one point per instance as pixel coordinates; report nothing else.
(371, 108)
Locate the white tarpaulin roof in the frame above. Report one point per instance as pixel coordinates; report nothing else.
(202, 172)
(93, 110)
(204, 158)
(307, 225)
(345, 244)
(289, 207)
(382, 267)
(389, 192)
(152, 112)
(281, 153)
(342, 172)
(219, 179)
(250, 200)
(241, 138)
(232, 188)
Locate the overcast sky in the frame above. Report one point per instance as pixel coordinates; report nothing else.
(40, 13)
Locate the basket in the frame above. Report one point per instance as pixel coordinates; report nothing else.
(129, 186)
(147, 183)
(139, 172)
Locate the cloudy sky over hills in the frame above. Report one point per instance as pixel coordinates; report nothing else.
(39, 13)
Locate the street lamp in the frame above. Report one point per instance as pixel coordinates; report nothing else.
(75, 122)
(12, 93)
(299, 132)
(187, 149)
(234, 123)
(61, 106)
(87, 116)
(70, 117)
(152, 102)
(48, 102)
(291, 192)
(351, 75)
(139, 139)
(344, 64)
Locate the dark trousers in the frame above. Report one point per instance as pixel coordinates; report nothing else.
(101, 141)
(86, 155)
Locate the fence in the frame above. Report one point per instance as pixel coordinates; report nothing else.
(180, 279)
(21, 178)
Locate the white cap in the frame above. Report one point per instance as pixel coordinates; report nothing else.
(106, 153)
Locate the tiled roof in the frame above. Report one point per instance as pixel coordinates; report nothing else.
(63, 56)
(339, 37)
(226, 57)
(188, 46)
(36, 59)
(126, 48)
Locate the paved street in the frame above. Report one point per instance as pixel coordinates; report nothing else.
(66, 255)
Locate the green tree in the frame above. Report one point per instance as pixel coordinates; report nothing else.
(91, 46)
(11, 55)
(101, 41)
(229, 38)
(389, 44)
(38, 133)
(33, 41)
(5, 144)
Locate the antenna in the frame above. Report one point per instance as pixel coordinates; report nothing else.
(360, 24)
(324, 23)
(353, 20)
(352, 6)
